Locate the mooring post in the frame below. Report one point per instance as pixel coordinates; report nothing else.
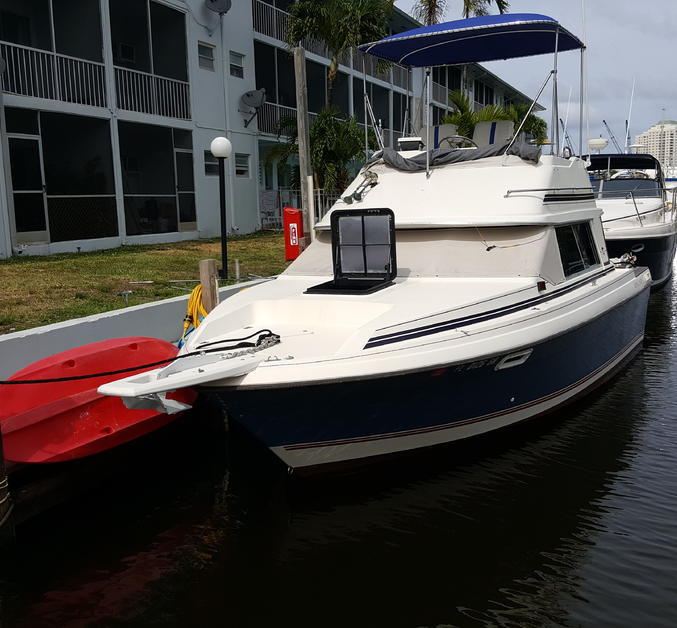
(209, 280)
(6, 527)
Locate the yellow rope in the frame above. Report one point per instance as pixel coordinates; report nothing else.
(194, 313)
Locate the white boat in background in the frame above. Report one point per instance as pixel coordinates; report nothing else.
(639, 212)
(457, 292)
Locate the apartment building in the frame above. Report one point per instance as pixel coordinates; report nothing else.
(109, 107)
(661, 142)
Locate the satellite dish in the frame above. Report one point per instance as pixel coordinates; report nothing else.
(219, 6)
(254, 98)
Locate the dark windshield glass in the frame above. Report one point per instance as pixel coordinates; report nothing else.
(621, 188)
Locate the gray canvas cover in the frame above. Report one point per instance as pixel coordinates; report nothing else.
(444, 156)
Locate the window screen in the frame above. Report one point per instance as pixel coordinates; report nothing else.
(576, 248)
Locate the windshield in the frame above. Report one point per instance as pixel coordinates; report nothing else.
(622, 188)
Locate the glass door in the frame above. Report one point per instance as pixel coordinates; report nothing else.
(28, 189)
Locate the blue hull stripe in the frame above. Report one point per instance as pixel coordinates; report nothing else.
(493, 415)
(436, 328)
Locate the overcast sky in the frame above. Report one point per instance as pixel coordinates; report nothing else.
(626, 39)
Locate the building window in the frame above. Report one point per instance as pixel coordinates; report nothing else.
(576, 248)
(205, 55)
(236, 64)
(211, 164)
(241, 165)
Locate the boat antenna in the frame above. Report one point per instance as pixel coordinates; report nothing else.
(584, 104)
(627, 122)
(427, 122)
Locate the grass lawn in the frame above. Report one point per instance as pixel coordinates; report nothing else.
(48, 289)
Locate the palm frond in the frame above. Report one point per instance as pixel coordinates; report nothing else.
(430, 11)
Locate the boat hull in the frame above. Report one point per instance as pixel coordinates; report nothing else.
(328, 424)
(656, 253)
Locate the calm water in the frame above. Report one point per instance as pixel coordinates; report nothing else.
(572, 522)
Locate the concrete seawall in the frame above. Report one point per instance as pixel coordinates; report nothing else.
(160, 319)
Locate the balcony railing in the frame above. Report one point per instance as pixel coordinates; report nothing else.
(271, 21)
(269, 116)
(399, 75)
(274, 22)
(149, 93)
(45, 74)
(440, 93)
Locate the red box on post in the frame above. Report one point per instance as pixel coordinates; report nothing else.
(293, 232)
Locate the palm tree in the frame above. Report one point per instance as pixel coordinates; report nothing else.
(465, 117)
(334, 143)
(340, 24)
(432, 11)
(481, 7)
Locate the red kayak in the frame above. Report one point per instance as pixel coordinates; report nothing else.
(66, 420)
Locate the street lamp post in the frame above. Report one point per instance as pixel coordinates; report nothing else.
(221, 148)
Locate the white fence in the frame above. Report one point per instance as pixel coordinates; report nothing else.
(45, 74)
(272, 202)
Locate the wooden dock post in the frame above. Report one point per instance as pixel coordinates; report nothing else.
(6, 526)
(209, 280)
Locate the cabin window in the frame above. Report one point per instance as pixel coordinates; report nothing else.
(576, 248)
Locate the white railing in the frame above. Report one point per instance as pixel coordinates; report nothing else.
(323, 202)
(274, 22)
(370, 65)
(149, 93)
(269, 116)
(271, 21)
(399, 75)
(440, 93)
(45, 74)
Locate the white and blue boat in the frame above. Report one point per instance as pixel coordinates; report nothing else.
(449, 293)
(638, 211)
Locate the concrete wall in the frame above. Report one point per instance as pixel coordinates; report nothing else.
(161, 319)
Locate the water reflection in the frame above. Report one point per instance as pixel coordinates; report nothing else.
(552, 524)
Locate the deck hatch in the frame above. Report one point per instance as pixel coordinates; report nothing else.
(363, 252)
